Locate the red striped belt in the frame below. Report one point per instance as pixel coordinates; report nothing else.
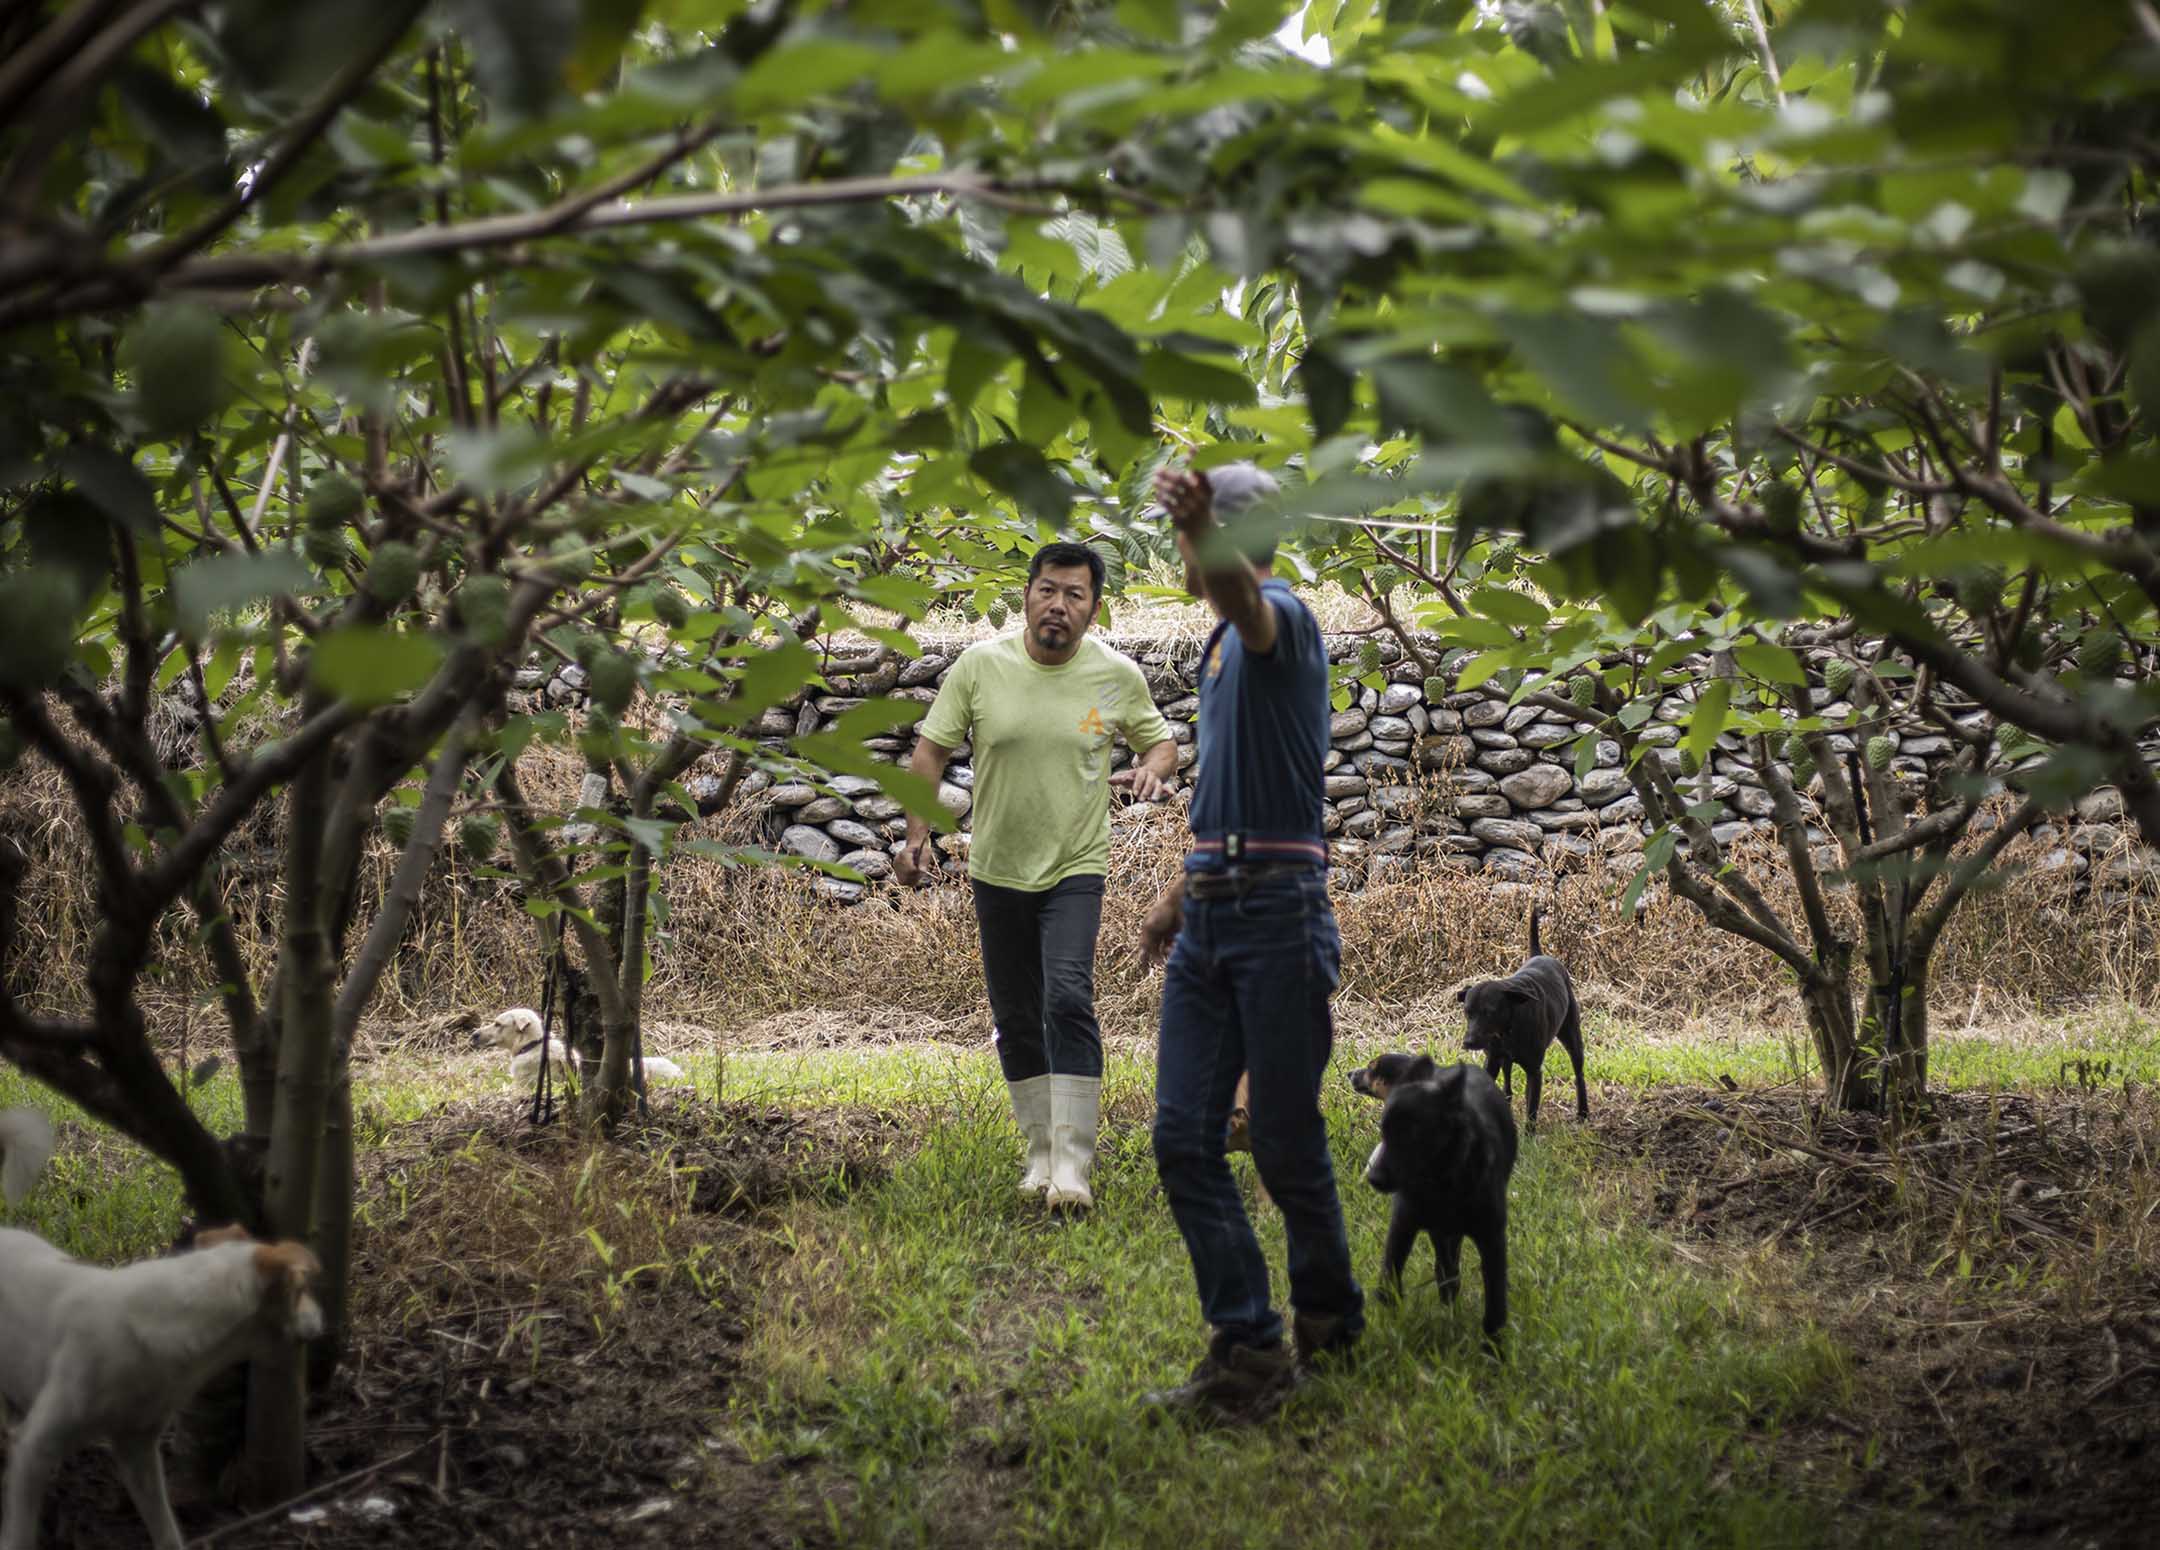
(1237, 847)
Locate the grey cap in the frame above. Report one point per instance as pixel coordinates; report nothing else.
(1238, 486)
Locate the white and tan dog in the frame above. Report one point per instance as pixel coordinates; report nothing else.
(89, 1353)
(26, 1143)
(518, 1031)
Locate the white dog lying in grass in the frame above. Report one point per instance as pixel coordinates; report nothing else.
(90, 1353)
(518, 1031)
(26, 1142)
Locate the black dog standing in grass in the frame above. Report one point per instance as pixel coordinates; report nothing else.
(1514, 1021)
(1447, 1147)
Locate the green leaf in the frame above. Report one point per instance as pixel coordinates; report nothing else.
(604, 26)
(842, 755)
(1519, 609)
(37, 629)
(1480, 668)
(1771, 663)
(112, 483)
(492, 461)
(230, 580)
(898, 640)
(898, 593)
(1444, 403)
(1635, 886)
(518, 48)
(1327, 387)
(1708, 719)
(876, 717)
(1020, 471)
(1473, 170)
(787, 76)
(768, 677)
(369, 666)
(973, 361)
(176, 360)
(1171, 375)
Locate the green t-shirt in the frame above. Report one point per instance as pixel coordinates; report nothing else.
(1042, 754)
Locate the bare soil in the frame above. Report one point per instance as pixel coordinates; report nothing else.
(1990, 1270)
(483, 1406)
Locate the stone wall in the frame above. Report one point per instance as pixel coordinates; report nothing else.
(1461, 781)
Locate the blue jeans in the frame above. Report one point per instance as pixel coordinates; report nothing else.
(1247, 989)
(1039, 966)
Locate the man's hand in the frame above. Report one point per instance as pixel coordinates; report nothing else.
(1144, 784)
(912, 862)
(1187, 497)
(1159, 929)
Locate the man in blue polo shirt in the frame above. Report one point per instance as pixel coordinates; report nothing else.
(1254, 956)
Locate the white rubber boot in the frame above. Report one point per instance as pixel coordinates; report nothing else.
(1031, 1108)
(1075, 1104)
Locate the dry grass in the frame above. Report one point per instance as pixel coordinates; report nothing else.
(745, 945)
(1172, 621)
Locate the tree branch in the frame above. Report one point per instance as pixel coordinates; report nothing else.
(405, 885)
(1920, 940)
(352, 78)
(1859, 470)
(499, 231)
(235, 801)
(93, 784)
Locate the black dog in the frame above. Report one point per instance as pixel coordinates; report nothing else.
(1514, 1021)
(1447, 1146)
(1379, 1079)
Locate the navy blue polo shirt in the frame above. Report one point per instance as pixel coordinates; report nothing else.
(1264, 720)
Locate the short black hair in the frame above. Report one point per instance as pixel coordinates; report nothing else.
(1237, 487)
(1063, 555)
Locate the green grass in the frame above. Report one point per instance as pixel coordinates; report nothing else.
(924, 1328)
(2104, 1048)
(931, 1361)
(106, 1199)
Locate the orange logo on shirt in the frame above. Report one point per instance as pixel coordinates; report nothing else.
(1092, 723)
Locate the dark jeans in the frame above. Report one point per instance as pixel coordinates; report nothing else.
(1039, 962)
(1247, 990)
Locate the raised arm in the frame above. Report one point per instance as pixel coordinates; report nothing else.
(1212, 569)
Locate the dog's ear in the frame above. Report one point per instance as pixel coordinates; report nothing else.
(211, 1237)
(1420, 1069)
(287, 1264)
(1463, 994)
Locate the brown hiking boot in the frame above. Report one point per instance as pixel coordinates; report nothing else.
(1322, 1347)
(1235, 1385)
(1323, 1342)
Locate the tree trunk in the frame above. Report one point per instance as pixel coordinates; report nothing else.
(630, 960)
(1900, 1011)
(333, 1230)
(277, 1392)
(1848, 1073)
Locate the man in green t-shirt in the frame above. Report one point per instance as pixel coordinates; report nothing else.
(1040, 708)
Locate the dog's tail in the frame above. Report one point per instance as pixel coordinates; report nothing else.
(26, 1145)
(1535, 911)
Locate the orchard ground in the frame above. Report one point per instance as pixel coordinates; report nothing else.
(803, 1305)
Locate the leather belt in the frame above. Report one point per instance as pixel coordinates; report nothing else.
(1235, 882)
